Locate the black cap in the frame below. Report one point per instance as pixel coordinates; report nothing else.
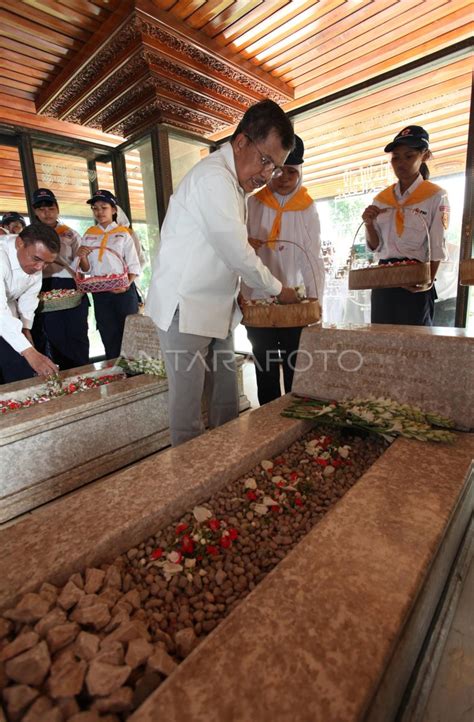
(11, 216)
(413, 135)
(43, 195)
(296, 155)
(105, 196)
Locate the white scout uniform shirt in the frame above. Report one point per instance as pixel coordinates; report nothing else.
(121, 242)
(203, 252)
(412, 243)
(18, 296)
(70, 242)
(291, 265)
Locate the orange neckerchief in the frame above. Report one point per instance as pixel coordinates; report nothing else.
(96, 231)
(299, 202)
(61, 229)
(425, 190)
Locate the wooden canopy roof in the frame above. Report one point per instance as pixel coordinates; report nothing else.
(118, 65)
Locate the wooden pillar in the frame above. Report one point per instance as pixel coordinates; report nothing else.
(162, 168)
(467, 228)
(28, 170)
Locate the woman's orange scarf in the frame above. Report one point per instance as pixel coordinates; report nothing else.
(424, 191)
(299, 202)
(96, 231)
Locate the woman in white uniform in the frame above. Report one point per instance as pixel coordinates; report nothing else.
(408, 221)
(111, 307)
(283, 210)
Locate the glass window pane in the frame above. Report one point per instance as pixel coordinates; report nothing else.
(184, 153)
(105, 176)
(12, 190)
(143, 205)
(67, 176)
(345, 166)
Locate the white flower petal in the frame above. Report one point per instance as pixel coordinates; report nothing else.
(260, 509)
(278, 479)
(267, 465)
(250, 483)
(201, 513)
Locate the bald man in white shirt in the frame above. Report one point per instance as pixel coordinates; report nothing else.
(22, 260)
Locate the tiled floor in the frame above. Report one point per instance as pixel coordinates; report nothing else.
(452, 694)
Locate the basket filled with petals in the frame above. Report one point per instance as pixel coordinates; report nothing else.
(390, 275)
(110, 282)
(466, 272)
(59, 299)
(365, 274)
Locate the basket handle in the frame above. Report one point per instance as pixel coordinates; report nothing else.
(280, 240)
(110, 250)
(407, 208)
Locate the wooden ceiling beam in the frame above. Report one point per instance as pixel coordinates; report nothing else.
(47, 22)
(15, 58)
(274, 23)
(394, 54)
(207, 12)
(378, 44)
(31, 72)
(265, 10)
(230, 16)
(27, 31)
(24, 51)
(310, 55)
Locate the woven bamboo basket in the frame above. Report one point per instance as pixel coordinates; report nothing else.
(290, 315)
(383, 276)
(63, 303)
(466, 272)
(276, 315)
(98, 284)
(390, 276)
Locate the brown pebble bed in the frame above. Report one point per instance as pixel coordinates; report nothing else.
(97, 647)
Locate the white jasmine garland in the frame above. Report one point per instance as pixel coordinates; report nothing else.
(381, 416)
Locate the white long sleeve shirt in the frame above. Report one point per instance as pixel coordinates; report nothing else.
(18, 297)
(204, 251)
(434, 212)
(291, 265)
(121, 242)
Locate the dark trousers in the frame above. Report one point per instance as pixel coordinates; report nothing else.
(273, 347)
(13, 367)
(63, 335)
(111, 310)
(401, 307)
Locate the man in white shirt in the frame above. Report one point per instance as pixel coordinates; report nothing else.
(204, 252)
(22, 259)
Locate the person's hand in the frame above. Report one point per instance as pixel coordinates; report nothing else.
(370, 214)
(83, 251)
(27, 333)
(256, 243)
(288, 295)
(418, 289)
(42, 365)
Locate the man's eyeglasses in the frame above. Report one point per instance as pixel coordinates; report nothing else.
(266, 162)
